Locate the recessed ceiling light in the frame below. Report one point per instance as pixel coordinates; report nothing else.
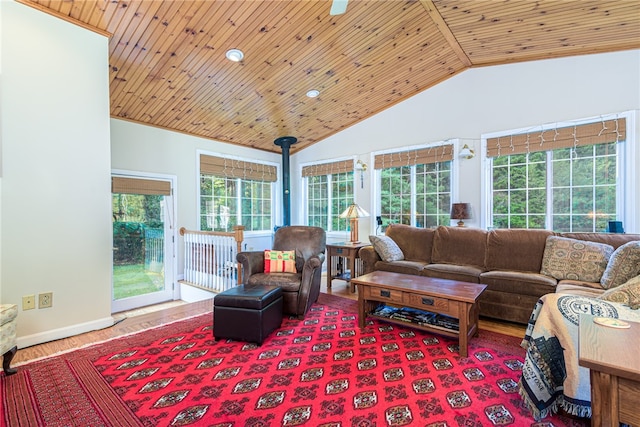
(313, 93)
(234, 55)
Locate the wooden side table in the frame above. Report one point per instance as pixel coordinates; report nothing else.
(343, 262)
(612, 358)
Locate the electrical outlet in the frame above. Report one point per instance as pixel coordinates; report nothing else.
(45, 300)
(28, 302)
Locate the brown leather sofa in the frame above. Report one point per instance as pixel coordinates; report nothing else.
(302, 288)
(508, 261)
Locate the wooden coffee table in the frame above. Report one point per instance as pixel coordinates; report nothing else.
(449, 297)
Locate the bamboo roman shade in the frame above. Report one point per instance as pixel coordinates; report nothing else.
(230, 168)
(421, 156)
(552, 139)
(328, 168)
(149, 187)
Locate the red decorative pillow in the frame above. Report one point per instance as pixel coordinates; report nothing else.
(279, 261)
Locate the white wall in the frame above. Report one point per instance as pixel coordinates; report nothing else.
(55, 196)
(483, 100)
(139, 148)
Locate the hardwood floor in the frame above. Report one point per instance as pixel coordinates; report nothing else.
(145, 318)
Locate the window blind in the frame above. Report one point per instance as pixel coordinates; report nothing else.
(328, 168)
(149, 187)
(230, 168)
(420, 156)
(552, 139)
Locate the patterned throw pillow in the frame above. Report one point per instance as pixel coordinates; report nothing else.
(279, 261)
(388, 250)
(574, 259)
(623, 265)
(628, 293)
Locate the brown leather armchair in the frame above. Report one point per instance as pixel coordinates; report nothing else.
(301, 289)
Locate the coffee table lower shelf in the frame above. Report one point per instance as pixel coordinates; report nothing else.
(429, 328)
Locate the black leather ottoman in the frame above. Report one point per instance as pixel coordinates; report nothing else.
(247, 313)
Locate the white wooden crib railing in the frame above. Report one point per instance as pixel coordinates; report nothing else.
(210, 258)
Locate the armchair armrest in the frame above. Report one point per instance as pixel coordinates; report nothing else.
(310, 282)
(252, 263)
(369, 257)
(311, 265)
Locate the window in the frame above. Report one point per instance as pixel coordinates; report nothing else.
(329, 192)
(235, 192)
(562, 178)
(415, 186)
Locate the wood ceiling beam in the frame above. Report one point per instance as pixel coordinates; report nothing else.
(446, 32)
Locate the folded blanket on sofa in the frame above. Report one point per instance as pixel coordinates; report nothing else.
(551, 377)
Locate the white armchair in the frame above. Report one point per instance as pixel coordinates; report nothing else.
(8, 340)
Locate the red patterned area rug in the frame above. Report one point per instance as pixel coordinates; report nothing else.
(320, 371)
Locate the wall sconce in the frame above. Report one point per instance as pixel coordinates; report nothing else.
(362, 167)
(466, 152)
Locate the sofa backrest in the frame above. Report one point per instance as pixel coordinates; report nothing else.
(416, 243)
(516, 249)
(613, 239)
(459, 245)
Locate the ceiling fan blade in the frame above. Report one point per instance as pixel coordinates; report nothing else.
(338, 7)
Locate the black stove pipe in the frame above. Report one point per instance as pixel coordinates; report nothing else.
(285, 142)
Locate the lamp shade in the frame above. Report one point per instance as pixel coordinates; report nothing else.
(461, 211)
(354, 211)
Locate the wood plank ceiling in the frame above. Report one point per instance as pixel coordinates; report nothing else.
(168, 67)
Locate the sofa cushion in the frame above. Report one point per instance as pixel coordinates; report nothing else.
(460, 246)
(566, 258)
(416, 243)
(578, 287)
(517, 282)
(404, 266)
(462, 273)
(388, 250)
(614, 239)
(628, 293)
(623, 265)
(515, 249)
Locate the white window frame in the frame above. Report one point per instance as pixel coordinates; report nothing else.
(275, 196)
(625, 195)
(377, 181)
(305, 194)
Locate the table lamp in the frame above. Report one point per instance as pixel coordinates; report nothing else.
(461, 211)
(353, 212)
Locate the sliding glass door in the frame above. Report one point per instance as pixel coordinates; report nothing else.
(142, 242)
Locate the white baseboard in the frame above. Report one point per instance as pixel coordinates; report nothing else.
(66, 332)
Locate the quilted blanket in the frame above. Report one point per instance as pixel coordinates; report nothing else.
(551, 377)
